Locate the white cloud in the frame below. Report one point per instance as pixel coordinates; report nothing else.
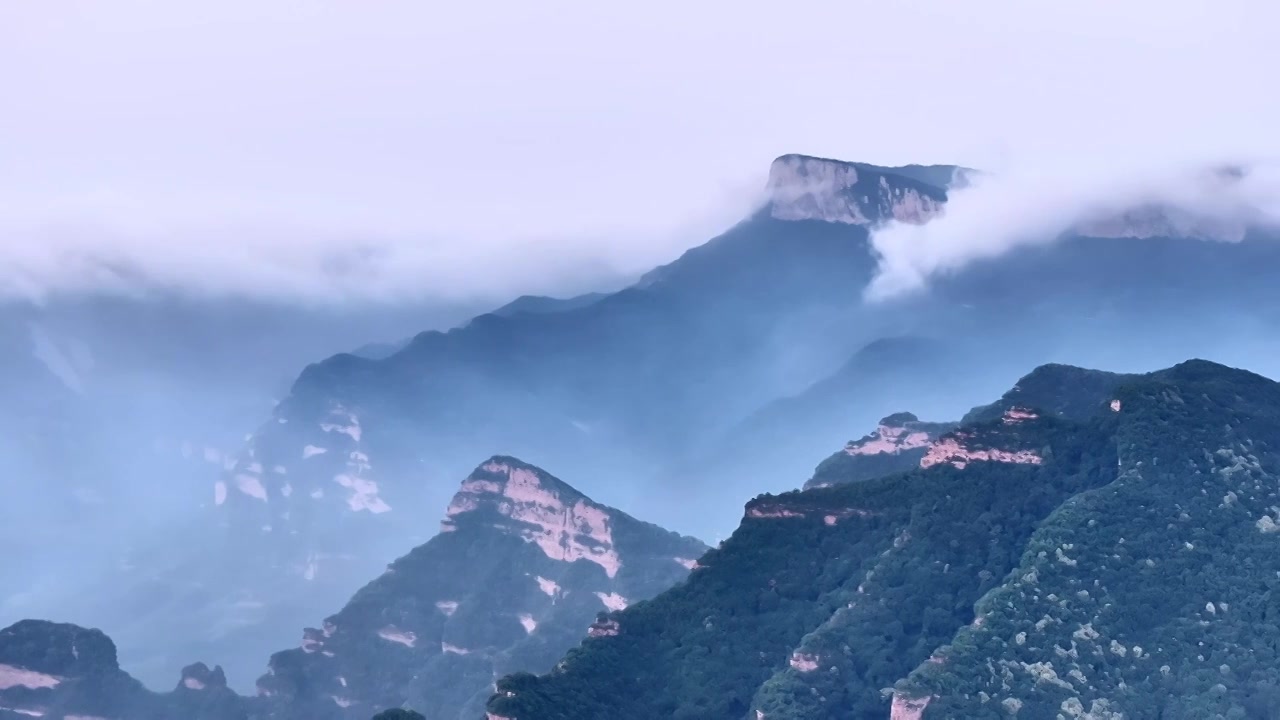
(1038, 201)
(444, 149)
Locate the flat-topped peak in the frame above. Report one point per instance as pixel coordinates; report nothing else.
(804, 187)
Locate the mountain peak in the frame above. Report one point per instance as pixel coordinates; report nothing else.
(803, 187)
(530, 503)
(500, 590)
(1060, 390)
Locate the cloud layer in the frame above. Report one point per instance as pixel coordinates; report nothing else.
(1039, 202)
(326, 150)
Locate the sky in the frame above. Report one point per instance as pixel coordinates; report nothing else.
(383, 150)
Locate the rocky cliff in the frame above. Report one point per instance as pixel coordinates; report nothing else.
(802, 187)
(521, 569)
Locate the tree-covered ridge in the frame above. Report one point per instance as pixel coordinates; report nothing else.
(823, 597)
(1130, 573)
(1153, 597)
(1059, 390)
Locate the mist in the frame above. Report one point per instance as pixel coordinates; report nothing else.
(198, 203)
(1040, 200)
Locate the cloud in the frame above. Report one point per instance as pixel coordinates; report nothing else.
(321, 149)
(1039, 202)
(224, 251)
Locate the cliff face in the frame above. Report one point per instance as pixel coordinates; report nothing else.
(522, 568)
(1092, 545)
(801, 187)
(898, 444)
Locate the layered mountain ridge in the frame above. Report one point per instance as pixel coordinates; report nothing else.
(525, 568)
(735, 365)
(802, 187)
(1091, 546)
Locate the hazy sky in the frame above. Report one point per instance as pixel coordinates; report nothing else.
(344, 148)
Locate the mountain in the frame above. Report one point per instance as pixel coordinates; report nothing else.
(329, 489)
(64, 672)
(522, 567)
(898, 444)
(1094, 545)
(743, 359)
(802, 187)
(131, 407)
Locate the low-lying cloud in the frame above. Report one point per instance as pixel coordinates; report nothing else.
(387, 261)
(1039, 202)
(322, 150)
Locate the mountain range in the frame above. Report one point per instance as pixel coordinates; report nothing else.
(522, 567)
(1090, 545)
(725, 373)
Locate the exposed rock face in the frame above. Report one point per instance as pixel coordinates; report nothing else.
(804, 662)
(808, 188)
(985, 443)
(898, 444)
(564, 528)
(802, 187)
(524, 568)
(893, 436)
(905, 708)
(954, 451)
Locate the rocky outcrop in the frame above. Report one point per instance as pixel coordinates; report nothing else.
(562, 524)
(954, 451)
(905, 708)
(825, 597)
(524, 568)
(899, 443)
(801, 187)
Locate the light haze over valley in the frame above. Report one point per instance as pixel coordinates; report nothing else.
(829, 361)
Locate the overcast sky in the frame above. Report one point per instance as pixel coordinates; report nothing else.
(367, 148)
